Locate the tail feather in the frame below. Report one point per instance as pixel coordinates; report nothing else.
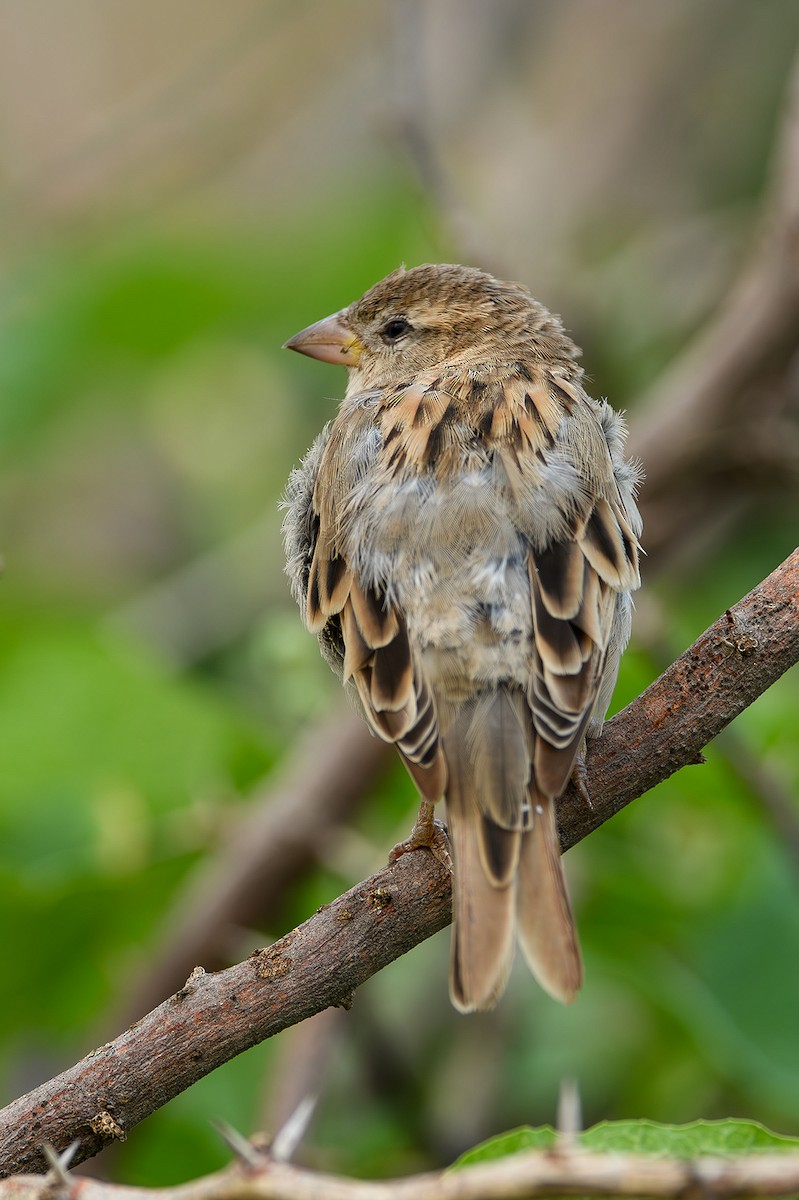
(497, 734)
(508, 876)
(484, 914)
(547, 933)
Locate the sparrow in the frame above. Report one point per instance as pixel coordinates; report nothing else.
(463, 539)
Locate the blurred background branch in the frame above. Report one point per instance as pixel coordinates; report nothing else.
(723, 420)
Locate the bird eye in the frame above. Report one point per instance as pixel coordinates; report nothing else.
(396, 328)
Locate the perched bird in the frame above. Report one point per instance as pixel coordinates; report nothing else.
(463, 539)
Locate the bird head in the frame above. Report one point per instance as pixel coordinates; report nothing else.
(415, 319)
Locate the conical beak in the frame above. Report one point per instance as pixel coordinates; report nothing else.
(330, 340)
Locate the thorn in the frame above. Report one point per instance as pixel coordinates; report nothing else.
(241, 1146)
(289, 1136)
(59, 1163)
(570, 1115)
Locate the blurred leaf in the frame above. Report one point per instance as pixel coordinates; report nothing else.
(733, 1136)
(110, 770)
(505, 1144)
(699, 1138)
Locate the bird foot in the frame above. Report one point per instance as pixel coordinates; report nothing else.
(427, 834)
(580, 780)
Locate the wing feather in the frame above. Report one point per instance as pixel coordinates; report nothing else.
(368, 636)
(377, 622)
(561, 574)
(610, 546)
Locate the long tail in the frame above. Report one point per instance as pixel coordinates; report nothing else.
(508, 875)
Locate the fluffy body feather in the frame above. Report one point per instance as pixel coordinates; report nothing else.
(463, 539)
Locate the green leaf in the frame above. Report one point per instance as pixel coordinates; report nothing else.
(694, 1140)
(732, 1136)
(526, 1137)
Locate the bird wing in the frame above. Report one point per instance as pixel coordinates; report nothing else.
(581, 548)
(374, 650)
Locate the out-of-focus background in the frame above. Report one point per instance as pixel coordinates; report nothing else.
(182, 187)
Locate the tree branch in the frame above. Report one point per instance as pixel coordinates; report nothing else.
(214, 1017)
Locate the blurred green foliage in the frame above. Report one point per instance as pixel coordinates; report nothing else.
(149, 419)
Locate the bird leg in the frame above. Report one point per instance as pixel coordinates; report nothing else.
(580, 779)
(428, 834)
